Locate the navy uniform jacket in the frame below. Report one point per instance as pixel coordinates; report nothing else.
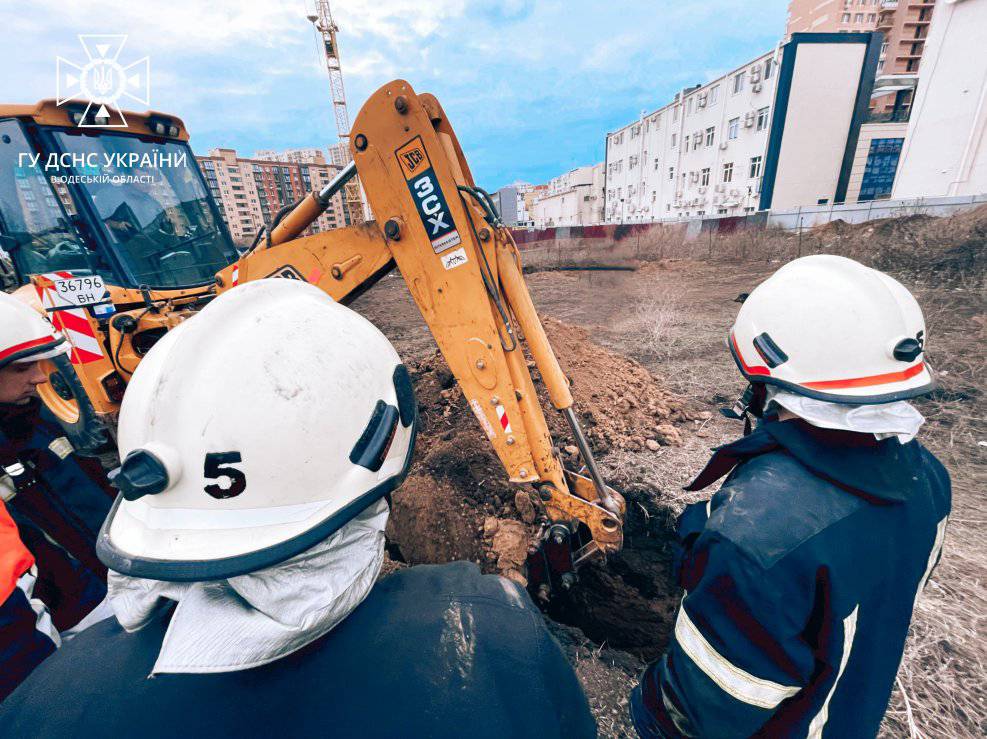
(800, 575)
(58, 501)
(434, 651)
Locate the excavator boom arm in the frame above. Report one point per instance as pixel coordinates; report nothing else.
(463, 271)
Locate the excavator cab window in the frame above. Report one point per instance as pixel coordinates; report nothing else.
(153, 208)
(36, 229)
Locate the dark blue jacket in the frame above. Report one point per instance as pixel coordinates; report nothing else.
(59, 502)
(800, 575)
(434, 651)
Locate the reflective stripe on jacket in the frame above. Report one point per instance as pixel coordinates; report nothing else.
(801, 575)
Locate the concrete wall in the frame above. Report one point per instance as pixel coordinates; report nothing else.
(868, 132)
(820, 109)
(945, 151)
(816, 215)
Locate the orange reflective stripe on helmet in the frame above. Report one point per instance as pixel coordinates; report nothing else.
(868, 381)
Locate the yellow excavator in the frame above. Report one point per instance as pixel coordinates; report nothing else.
(117, 263)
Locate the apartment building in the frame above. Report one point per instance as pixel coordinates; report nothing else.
(250, 191)
(832, 16)
(571, 199)
(904, 25)
(945, 148)
(701, 154)
(295, 156)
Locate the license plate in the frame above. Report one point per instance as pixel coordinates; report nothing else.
(82, 290)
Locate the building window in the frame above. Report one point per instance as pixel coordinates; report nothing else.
(671, 173)
(635, 131)
(697, 141)
(733, 128)
(762, 119)
(728, 172)
(738, 82)
(675, 115)
(704, 177)
(882, 162)
(656, 164)
(632, 161)
(688, 106)
(755, 167)
(714, 92)
(769, 67)
(858, 17)
(674, 139)
(710, 135)
(871, 17)
(685, 144)
(845, 18)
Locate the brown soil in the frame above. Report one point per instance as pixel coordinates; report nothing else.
(457, 503)
(672, 316)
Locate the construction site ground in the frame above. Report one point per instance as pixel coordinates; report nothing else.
(647, 346)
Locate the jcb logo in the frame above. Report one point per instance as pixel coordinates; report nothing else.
(413, 158)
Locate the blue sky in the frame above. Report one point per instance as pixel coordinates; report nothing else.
(531, 86)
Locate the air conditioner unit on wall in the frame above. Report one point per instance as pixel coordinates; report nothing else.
(723, 144)
(756, 74)
(748, 119)
(756, 87)
(720, 188)
(702, 190)
(702, 100)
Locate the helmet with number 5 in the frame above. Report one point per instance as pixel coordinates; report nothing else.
(254, 431)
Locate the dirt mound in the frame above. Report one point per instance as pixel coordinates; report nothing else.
(457, 503)
(620, 404)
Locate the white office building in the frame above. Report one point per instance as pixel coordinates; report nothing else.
(780, 131)
(702, 154)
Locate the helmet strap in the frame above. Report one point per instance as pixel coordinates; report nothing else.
(751, 403)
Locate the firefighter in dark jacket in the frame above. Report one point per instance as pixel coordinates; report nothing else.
(54, 502)
(802, 570)
(260, 441)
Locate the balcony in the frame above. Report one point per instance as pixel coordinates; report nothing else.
(889, 4)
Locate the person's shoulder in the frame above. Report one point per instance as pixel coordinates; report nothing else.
(771, 505)
(455, 581)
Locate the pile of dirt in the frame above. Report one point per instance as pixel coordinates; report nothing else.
(619, 403)
(913, 246)
(458, 504)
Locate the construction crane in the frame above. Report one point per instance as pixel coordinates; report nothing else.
(326, 27)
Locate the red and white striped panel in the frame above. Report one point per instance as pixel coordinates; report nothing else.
(72, 322)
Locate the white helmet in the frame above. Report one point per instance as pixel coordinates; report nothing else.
(252, 432)
(25, 334)
(830, 328)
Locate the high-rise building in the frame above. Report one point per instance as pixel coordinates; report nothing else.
(339, 154)
(251, 191)
(904, 24)
(297, 156)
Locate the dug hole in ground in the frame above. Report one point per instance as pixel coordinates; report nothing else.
(645, 351)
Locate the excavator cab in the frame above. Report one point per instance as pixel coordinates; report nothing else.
(99, 225)
(127, 205)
